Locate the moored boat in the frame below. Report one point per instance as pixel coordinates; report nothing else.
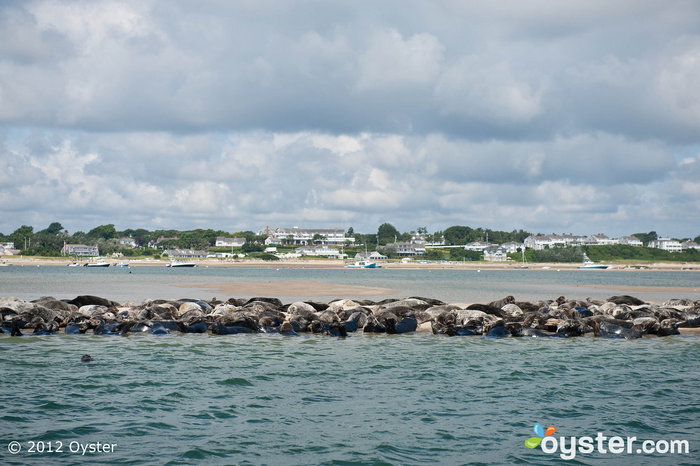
(96, 264)
(589, 264)
(364, 264)
(181, 264)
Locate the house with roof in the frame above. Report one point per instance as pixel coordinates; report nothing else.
(320, 250)
(539, 242)
(630, 241)
(667, 244)
(232, 242)
(8, 249)
(478, 246)
(600, 239)
(305, 236)
(80, 250)
(185, 253)
(511, 247)
(495, 254)
(127, 242)
(406, 248)
(372, 256)
(688, 245)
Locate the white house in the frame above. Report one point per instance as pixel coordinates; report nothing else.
(406, 249)
(225, 242)
(667, 244)
(79, 250)
(600, 240)
(319, 250)
(511, 247)
(478, 246)
(540, 242)
(495, 254)
(128, 242)
(372, 256)
(185, 253)
(689, 245)
(630, 241)
(303, 236)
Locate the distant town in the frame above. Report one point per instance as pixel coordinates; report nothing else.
(456, 243)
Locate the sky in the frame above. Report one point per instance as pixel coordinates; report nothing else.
(553, 117)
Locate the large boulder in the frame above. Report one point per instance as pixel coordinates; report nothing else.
(85, 300)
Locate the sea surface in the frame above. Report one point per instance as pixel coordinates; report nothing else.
(138, 283)
(379, 399)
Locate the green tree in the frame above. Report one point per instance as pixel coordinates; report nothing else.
(103, 231)
(697, 239)
(22, 234)
(53, 229)
(318, 238)
(646, 238)
(387, 233)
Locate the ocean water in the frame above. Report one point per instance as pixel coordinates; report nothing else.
(364, 399)
(139, 283)
(402, 399)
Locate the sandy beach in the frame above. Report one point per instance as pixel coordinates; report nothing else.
(333, 263)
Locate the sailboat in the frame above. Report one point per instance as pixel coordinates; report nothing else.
(523, 264)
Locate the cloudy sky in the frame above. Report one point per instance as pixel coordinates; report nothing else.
(549, 116)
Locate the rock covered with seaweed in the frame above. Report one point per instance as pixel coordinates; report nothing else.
(618, 317)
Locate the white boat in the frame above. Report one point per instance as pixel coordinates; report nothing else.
(96, 264)
(121, 264)
(4, 264)
(181, 264)
(73, 264)
(364, 264)
(589, 264)
(523, 265)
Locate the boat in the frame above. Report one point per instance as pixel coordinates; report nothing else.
(589, 264)
(364, 264)
(96, 264)
(523, 265)
(121, 264)
(181, 264)
(73, 264)
(4, 264)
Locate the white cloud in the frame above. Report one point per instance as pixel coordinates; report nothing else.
(241, 114)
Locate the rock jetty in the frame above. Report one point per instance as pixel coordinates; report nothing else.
(618, 317)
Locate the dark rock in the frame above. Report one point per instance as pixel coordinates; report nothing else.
(625, 299)
(86, 300)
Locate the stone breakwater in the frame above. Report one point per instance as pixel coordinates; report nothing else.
(617, 317)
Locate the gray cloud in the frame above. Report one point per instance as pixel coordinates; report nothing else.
(238, 114)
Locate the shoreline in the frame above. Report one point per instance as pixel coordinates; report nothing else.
(338, 264)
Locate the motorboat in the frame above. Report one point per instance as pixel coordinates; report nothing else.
(181, 264)
(364, 264)
(121, 264)
(99, 263)
(589, 264)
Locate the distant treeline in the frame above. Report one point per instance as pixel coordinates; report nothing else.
(49, 242)
(613, 252)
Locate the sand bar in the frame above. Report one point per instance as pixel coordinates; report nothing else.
(292, 288)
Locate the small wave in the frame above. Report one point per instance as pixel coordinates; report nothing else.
(235, 381)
